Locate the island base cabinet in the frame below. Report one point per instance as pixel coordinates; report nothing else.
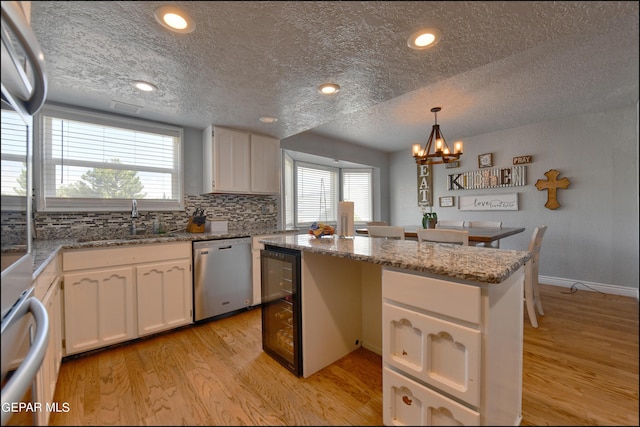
(440, 353)
(409, 403)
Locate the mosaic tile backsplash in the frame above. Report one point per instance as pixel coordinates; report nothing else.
(242, 212)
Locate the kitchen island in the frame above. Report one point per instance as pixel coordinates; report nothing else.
(447, 320)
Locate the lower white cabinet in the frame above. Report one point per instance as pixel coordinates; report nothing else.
(410, 403)
(452, 350)
(117, 294)
(99, 308)
(48, 375)
(164, 296)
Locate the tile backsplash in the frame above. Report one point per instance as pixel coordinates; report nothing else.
(243, 212)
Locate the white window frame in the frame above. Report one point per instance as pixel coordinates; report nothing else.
(59, 204)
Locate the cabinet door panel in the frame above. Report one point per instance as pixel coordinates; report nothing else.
(440, 353)
(265, 164)
(409, 403)
(164, 296)
(99, 308)
(231, 157)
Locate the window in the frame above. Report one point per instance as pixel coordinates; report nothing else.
(312, 192)
(317, 193)
(93, 161)
(356, 188)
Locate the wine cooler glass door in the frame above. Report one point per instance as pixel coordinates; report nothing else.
(280, 308)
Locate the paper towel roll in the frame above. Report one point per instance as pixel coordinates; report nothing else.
(345, 219)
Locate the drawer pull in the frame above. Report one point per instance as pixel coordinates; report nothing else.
(404, 352)
(407, 400)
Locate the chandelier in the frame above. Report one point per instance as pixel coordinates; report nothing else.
(441, 152)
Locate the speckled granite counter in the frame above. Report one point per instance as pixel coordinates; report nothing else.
(45, 250)
(470, 263)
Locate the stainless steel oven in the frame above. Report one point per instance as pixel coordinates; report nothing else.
(25, 323)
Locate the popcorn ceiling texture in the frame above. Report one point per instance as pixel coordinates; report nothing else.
(498, 66)
(243, 212)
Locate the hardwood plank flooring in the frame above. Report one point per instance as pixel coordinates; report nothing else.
(580, 368)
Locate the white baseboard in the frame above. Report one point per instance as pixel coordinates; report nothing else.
(589, 286)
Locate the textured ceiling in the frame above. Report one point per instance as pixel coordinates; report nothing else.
(499, 64)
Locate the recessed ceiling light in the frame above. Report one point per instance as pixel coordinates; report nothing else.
(267, 119)
(425, 38)
(328, 88)
(144, 86)
(174, 19)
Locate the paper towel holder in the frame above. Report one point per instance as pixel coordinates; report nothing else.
(345, 223)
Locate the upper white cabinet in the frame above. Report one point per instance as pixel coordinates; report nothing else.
(265, 164)
(240, 162)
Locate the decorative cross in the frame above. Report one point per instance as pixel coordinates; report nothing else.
(552, 184)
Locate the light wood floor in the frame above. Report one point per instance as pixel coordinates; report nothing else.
(580, 368)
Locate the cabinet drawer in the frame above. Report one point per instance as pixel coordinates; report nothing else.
(440, 353)
(450, 299)
(135, 254)
(409, 403)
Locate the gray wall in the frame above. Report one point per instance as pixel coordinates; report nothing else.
(593, 236)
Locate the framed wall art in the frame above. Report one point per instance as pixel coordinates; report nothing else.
(446, 201)
(489, 202)
(485, 160)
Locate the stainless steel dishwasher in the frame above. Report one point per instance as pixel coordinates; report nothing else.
(222, 277)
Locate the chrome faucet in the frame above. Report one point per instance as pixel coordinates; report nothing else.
(134, 215)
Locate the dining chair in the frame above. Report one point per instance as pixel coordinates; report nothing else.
(490, 224)
(531, 290)
(460, 237)
(370, 223)
(449, 223)
(387, 231)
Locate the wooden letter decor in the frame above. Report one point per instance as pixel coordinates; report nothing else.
(488, 178)
(552, 184)
(425, 186)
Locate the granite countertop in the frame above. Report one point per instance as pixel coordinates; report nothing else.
(44, 251)
(476, 264)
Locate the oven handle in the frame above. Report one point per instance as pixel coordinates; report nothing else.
(23, 377)
(14, 17)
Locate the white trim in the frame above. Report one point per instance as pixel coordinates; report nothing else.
(590, 286)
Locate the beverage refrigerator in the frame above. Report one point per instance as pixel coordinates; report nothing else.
(281, 320)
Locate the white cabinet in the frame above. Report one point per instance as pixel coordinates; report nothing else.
(448, 353)
(265, 164)
(48, 375)
(164, 296)
(256, 247)
(99, 308)
(113, 295)
(240, 162)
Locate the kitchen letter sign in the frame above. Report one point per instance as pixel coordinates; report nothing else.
(425, 189)
(489, 202)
